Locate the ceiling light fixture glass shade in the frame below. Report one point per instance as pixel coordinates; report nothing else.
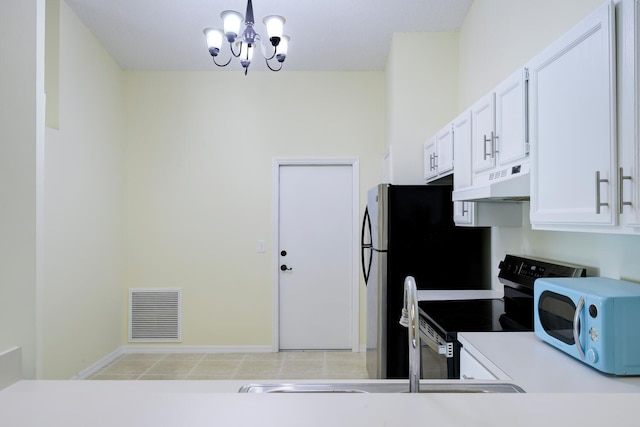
(275, 28)
(242, 44)
(231, 22)
(281, 50)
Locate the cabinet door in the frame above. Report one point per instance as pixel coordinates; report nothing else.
(472, 369)
(483, 133)
(628, 21)
(462, 211)
(572, 94)
(444, 150)
(511, 135)
(430, 169)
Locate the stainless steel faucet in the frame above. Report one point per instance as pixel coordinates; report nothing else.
(410, 320)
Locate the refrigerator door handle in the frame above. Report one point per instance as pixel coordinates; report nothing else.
(366, 267)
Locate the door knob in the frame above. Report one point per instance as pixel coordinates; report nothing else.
(283, 267)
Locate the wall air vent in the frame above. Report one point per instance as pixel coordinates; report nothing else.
(155, 315)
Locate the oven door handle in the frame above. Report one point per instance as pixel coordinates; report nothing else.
(576, 327)
(434, 344)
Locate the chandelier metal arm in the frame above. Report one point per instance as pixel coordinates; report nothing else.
(222, 65)
(233, 52)
(266, 61)
(264, 52)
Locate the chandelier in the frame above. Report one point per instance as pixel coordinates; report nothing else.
(243, 44)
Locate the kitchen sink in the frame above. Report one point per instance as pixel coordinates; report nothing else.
(382, 387)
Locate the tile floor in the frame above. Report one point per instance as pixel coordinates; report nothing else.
(209, 366)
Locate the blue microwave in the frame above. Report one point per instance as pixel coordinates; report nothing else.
(594, 319)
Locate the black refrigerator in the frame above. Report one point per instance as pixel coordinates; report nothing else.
(408, 230)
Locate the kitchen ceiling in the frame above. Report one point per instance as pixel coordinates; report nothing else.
(341, 35)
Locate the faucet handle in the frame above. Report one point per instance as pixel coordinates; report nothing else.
(404, 318)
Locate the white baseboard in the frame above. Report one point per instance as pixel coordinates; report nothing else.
(10, 367)
(133, 348)
(86, 373)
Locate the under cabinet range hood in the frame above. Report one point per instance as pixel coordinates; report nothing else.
(507, 184)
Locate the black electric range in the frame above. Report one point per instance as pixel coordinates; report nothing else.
(440, 321)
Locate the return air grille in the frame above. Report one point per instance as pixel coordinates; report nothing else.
(155, 315)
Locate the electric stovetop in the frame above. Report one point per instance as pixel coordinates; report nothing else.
(517, 274)
(480, 315)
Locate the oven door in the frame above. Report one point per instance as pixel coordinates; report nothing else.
(439, 359)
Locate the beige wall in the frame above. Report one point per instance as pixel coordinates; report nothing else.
(499, 36)
(422, 91)
(198, 174)
(517, 31)
(83, 207)
(198, 181)
(18, 131)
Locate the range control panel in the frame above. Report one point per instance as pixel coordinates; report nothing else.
(523, 271)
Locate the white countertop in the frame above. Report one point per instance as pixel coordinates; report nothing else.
(443, 295)
(538, 367)
(559, 391)
(184, 403)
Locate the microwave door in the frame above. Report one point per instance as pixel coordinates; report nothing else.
(557, 313)
(576, 327)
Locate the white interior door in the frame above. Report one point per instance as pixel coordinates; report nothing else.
(315, 257)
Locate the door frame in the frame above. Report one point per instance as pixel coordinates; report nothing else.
(354, 162)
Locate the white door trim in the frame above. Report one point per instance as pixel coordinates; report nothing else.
(354, 162)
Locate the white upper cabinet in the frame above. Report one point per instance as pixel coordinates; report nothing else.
(499, 135)
(573, 127)
(430, 157)
(444, 148)
(628, 178)
(511, 119)
(483, 141)
(462, 211)
(476, 214)
(438, 154)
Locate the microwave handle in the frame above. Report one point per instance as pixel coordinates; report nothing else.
(576, 332)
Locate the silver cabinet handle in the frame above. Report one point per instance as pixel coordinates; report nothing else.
(621, 178)
(494, 149)
(576, 327)
(485, 146)
(599, 181)
(465, 211)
